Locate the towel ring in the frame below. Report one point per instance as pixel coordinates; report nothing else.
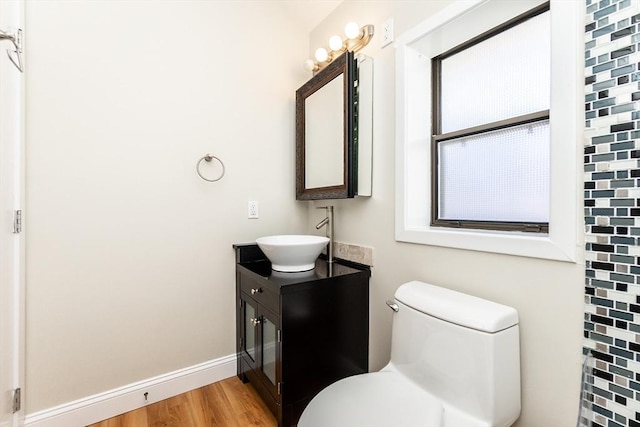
(208, 158)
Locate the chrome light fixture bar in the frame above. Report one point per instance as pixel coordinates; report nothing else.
(356, 38)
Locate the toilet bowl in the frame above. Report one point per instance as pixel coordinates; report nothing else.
(395, 400)
(454, 363)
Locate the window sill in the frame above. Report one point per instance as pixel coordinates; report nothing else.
(511, 243)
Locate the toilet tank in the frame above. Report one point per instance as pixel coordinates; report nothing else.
(462, 349)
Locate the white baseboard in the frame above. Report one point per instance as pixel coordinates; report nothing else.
(105, 405)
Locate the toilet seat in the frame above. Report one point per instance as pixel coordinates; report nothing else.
(379, 399)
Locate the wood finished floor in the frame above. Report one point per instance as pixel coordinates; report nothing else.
(227, 403)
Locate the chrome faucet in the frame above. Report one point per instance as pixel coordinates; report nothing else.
(328, 221)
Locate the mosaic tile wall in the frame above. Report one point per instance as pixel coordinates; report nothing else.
(612, 211)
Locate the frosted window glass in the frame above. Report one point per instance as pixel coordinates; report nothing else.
(496, 176)
(505, 76)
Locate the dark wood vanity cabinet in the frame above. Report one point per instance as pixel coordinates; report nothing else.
(299, 332)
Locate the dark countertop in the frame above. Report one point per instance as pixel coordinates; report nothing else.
(251, 258)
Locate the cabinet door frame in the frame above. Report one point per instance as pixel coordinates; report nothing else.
(256, 362)
(252, 361)
(274, 389)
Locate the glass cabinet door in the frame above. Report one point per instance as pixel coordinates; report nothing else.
(269, 347)
(260, 343)
(250, 324)
(269, 351)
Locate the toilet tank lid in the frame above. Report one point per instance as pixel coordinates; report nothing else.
(456, 307)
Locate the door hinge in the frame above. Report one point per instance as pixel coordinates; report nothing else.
(279, 336)
(241, 342)
(279, 388)
(17, 222)
(17, 400)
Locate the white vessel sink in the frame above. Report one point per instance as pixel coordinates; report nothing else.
(291, 253)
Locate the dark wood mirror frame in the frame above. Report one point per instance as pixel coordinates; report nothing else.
(344, 64)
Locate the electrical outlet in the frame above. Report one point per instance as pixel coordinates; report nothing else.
(387, 32)
(252, 209)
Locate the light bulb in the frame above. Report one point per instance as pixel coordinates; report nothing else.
(309, 65)
(335, 43)
(321, 54)
(352, 30)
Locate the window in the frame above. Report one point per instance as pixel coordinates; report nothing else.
(526, 150)
(490, 96)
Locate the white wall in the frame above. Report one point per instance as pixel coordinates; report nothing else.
(130, 268)
(547, 294)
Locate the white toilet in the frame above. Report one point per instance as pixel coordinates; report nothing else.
(455, 362)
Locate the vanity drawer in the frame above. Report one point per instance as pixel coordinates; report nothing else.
(260, 293)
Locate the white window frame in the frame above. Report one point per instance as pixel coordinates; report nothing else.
(452, 26)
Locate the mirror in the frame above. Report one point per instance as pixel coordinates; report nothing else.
(325, 153)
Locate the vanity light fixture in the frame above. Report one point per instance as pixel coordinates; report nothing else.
(356, 38)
